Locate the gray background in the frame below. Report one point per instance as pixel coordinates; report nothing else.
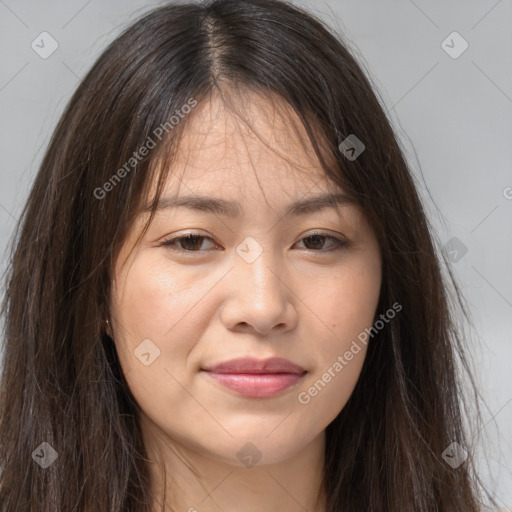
(453, 116)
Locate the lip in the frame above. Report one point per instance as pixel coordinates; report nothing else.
(256, 366)
(256, 378)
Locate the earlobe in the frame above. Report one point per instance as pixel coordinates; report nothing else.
(107, 328)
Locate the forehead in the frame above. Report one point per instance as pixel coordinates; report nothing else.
(251, 142)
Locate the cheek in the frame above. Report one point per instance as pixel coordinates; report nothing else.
(345, 303)
(340, 355)
(345, 308)
(327, 392)
(156, 315)
(160, 303)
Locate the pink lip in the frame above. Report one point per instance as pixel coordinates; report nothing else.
(256, 378)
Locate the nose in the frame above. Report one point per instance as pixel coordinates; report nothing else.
(259, 298)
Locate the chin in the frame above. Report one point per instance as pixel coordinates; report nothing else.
(261, 449)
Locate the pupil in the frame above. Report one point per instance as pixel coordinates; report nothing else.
(192, 238)
(315, 239)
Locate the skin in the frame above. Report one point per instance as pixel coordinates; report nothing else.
(299, 300)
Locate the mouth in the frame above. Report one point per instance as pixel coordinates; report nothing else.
(255, 378)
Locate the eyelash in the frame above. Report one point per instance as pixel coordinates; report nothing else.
(340, 244)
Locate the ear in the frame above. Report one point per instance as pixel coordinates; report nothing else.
(108, 329)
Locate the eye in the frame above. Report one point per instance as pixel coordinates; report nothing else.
(316, 240)
(187, 243)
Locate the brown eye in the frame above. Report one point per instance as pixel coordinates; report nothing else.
(193, 242)
(316, 242)
(187, 243)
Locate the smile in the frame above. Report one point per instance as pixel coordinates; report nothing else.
(256, 378)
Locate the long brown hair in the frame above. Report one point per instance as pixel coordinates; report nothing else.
(62, 383)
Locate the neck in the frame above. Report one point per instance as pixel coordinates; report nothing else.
(187, 480)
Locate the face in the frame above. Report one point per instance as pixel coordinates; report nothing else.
(252, 282)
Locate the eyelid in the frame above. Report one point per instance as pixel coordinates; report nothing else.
(167, 242)
(339, 240)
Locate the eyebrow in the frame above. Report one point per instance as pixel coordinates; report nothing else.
(233, 209)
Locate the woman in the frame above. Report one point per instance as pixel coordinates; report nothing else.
(305, 359)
